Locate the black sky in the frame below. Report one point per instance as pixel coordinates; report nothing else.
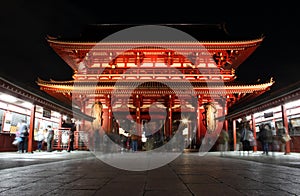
(25, 24)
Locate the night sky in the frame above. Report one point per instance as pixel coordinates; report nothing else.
(27, 56)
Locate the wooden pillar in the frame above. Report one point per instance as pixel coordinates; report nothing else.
(59, 122)
(138, 119)
(31, 129)
(59, 142)
(109, 114)
(199, 121)
(76, 135)
(225, 120)
(189, 134)
(254, 131)
(138, 115)
(83, 109)
(3, 120)
(76, 139)
(286, 125)
(109, 122)
(234, 134)
(170, 116)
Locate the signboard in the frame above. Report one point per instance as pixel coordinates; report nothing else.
(46, 113)
(269, 114)
(7, 121)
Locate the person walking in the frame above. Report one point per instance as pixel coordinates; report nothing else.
(266, 138)
(50, 137)
(239, 144)
(260, 137)
(23, 134)
(40, 139)
(223, 142)
(134, 141)
(245, 138)
(71, 139)
(285, 137)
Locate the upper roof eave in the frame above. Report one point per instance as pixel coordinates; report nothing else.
(38, 97)
(68, 85)
(212, 42)
(271, 98)
(201, 32)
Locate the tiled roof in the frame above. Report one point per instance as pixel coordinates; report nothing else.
(199, 32)
(271, 98)
(204, 87)
(32, 95)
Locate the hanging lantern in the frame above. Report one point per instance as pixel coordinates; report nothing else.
(210, 117)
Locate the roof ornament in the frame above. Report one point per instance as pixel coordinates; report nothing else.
(48, 37)
(224, 28)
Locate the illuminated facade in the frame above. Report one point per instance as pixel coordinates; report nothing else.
(280, 109)
(175, 80)
(19, 103)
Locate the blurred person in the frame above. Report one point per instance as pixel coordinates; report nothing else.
(71, 139)
(284, 139)
(96, 140)
(40, 139)
(245, 138)
(50, 137)
(123, 142)
(266, 138)
(238, 141)
(251, 139)
(134, 141)
(259, 137)
(106, 143)
(223, 142)
(23, 134)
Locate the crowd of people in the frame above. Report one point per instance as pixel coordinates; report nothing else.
(43, 136)
(267, 138)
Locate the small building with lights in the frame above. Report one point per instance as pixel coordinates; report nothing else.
(280, 109)
(19, 102)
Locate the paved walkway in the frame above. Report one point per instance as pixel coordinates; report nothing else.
(81, 173)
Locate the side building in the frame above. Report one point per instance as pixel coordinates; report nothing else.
(38, 110)
(280, 108)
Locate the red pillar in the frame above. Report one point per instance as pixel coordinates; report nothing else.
(59, 122)
(59, 136)
(225, 120)
(199, 121)
(76, 139)
(109, 114)
(83, 109)
(170, 117)
(286, 125)
(138, 118)
(109, 123)
(254, 131)
(168, 122)
(234, 134)
(31, 129)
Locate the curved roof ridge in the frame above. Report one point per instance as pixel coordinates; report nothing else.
(230, 84)
(198, 31)
(61, 41)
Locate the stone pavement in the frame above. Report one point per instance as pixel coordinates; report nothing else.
(81, 173)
